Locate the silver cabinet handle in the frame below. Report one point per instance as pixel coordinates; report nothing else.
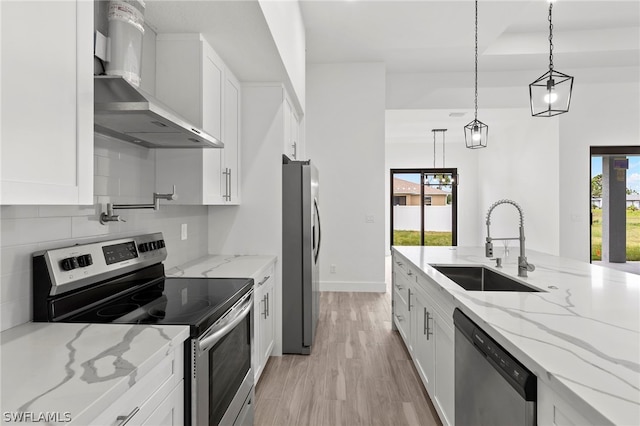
(400, 317)
(295, 149)
(229, 184)
(399, 287)
(264, 300)
(125, 419)
(429, 332)
(219, 331)
(264, 280)
(268, 313)
(425, 321)
(409, 272)
(399, 263)
(409, 299)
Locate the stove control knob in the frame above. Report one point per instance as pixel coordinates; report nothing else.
(152, 245)
(85, 260)
(160, 244)
(69, 263)
(144, 247)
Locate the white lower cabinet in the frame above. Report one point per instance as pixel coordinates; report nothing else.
(427, 333)
(552, 409)
(263, 319)
(155, 399)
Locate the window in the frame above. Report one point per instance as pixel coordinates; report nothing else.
(399, 200)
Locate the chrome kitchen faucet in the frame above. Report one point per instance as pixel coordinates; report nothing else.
(523, 265)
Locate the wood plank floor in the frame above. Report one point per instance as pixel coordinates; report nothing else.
(358, 374)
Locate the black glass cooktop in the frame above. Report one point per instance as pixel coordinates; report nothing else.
(197, 302)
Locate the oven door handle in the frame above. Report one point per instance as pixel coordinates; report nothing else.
(217, 332)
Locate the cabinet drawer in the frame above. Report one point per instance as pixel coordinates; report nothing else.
(401, 315)
(140, 400)
(265, 276)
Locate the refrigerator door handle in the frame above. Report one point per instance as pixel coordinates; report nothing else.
(317, 243)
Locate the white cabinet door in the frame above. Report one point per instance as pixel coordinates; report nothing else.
(444, 364)
(264, 319)
(231, 156)
(193, 80)
(47, 102)
(424, 341)
(170, 412)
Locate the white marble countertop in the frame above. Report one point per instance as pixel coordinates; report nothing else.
(223, 266)
(581, 336)
(77, 370)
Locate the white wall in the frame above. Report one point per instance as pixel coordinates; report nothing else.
(521, 164)
(601, 115)
(124, 173)
(287, 29)
(345, 138)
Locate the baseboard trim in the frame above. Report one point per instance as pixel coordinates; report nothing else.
(354, 286)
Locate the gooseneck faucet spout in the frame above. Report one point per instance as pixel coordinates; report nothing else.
(523, 265)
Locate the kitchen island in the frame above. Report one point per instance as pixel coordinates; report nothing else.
(84, 374)
(580, 335)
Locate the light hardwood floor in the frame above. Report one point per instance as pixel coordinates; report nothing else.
(358, 374)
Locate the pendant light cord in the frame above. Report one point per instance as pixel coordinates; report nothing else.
(550, 38)
(476, 63)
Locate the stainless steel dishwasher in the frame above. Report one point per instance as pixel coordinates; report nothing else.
(492, 388)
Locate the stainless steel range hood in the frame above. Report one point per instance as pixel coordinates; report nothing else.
(130, 114)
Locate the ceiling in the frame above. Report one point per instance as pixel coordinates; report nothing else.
(438, 36)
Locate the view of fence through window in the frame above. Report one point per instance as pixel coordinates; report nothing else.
(423, 207)
(631, 176)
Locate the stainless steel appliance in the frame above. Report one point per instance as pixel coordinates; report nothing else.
(492, 388)
(301, 235)
(123, 281)
(128, 113)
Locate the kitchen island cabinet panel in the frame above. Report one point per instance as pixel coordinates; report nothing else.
(47, 103)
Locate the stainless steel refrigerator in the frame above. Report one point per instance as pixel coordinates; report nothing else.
(301, 236)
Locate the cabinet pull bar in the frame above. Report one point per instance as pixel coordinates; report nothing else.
(425, 322)
(409, 304)
(264, 300)
(125, 419)
(268, 313)
(429, 332)
(264, 280)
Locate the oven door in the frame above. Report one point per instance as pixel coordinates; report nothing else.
(221, 377)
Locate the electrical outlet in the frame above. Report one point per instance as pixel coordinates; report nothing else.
(369, 218)
(183, 232)
(332, 269)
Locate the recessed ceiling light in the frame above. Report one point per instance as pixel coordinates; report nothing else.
(457, 114)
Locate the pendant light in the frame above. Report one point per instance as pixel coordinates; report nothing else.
(551, 93)
(476, 133)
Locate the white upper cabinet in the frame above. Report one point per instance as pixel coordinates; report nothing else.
(193, 80)
(292, 144)
(47, 102)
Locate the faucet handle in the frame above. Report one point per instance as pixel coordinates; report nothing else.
(498, 261)
(488, 249)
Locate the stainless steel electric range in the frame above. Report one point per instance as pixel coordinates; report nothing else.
(123, 281)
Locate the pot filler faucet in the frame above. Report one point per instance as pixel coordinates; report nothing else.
(523, 265)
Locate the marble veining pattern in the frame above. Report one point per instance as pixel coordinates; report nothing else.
(223, 266)
(581, 334)
(79, 369)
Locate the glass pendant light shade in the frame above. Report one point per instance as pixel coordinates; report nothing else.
(476, 134)
(550, 94)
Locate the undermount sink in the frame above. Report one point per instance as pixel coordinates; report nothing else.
(479, 278)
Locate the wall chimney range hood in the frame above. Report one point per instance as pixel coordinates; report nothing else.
(130, 114)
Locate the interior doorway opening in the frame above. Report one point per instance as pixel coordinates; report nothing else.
(615, 207)
(424, 207)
